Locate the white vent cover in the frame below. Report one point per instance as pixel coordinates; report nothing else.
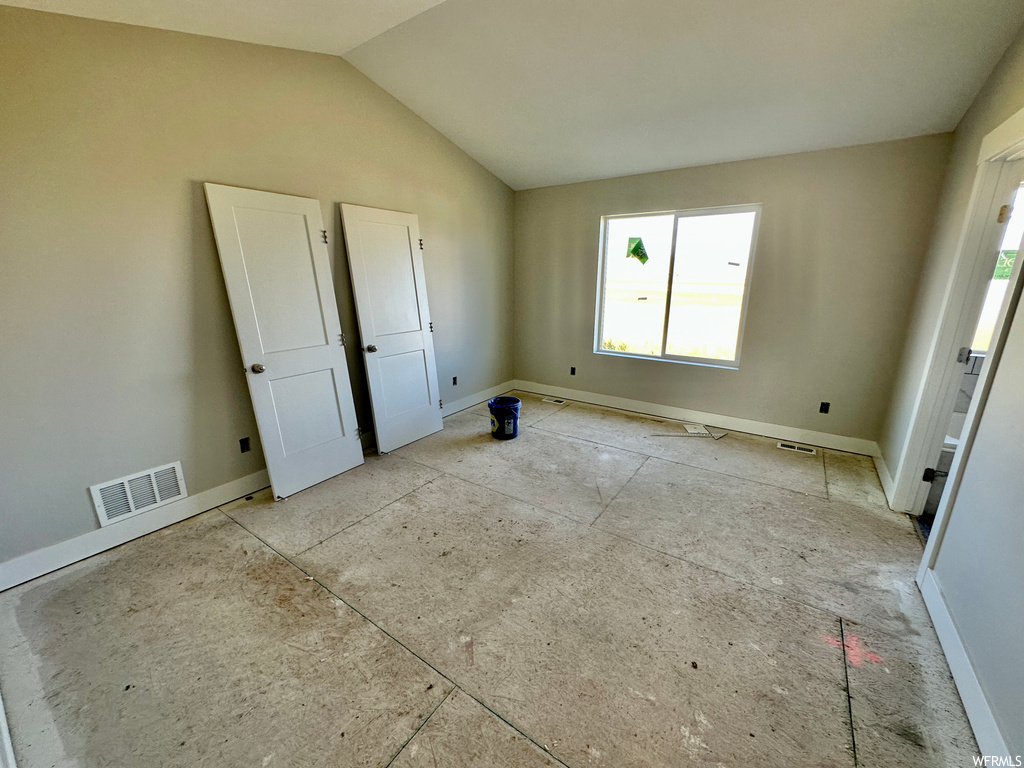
(797, 447)
(137, 493)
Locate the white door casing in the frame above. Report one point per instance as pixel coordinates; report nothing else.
(273, 253)
(1004, 178)
(386, 262)
(958, 633)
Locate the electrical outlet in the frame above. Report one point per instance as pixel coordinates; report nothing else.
(244, 445)
(455, 381)
(572, 371)
(823, 408)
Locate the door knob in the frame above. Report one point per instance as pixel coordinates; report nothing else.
(258, 368)
(371, 347)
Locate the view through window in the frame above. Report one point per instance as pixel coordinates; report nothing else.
(674, 285)
(1000, 281)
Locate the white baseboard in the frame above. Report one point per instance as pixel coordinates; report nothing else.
(6, 747)
(776, 431)
(42, 561)
(475, 399)
(986, 731)
(888, 484)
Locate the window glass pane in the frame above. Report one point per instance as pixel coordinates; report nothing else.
(708, 282)
(635, 293)
(989, 314)
(1015, 226)
(1000, 281)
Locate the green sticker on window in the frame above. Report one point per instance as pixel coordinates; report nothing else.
(636, 250)
(1004, 265)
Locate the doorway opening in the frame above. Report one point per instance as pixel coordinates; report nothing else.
(973, 357)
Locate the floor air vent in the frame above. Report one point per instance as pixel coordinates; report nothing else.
(137, 493)
(556, 400)
(797, 447)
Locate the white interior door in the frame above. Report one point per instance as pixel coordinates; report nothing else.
(273, 253)
(386, 261)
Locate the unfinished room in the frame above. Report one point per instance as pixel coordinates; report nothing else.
(511, 384)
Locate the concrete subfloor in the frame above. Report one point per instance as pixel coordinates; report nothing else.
(601, 591)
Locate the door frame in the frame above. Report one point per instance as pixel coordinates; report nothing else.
(983, 723)
(974, 412)
(964, 296)
(1004, 145)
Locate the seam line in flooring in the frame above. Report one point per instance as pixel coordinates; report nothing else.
(824, 469)
(330, 591)
(621, 489)
(738, 580)
(426, 720)
(675, 461)
(680, 463)
(849, 699)
(487, 488)
(724, 575)
(511, 725)
(617, 535)
(648, 547)
(559, 409)
(371, 514)
(455, 684)
(388, 634)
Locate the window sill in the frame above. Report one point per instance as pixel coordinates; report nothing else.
(700, 362)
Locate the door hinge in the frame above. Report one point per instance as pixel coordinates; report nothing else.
(421, 243)
(359, 432)
(931, 474)
(964, 354)
(440, 404)
(344, 341)
(431, 327)
(323, 232)
(1003, 217)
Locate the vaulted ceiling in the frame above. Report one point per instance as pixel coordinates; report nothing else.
(321, 26)
(546, 92)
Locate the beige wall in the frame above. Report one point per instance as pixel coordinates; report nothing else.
(1000, 97)
(842, 236)
(117, 350)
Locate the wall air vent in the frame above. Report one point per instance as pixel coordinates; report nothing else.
(797, 447)
(141, 492)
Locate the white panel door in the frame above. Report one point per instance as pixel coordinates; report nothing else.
(273, 253)
(386, 262)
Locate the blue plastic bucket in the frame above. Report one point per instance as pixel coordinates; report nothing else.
(504, 416)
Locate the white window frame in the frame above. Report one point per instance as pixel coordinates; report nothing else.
(755, 208)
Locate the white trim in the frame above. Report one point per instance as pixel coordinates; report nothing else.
(1003, 140)
(34, 564)
(475, 399)
(937, 389)
(972, 421)
(986, 730)
(984, 724)
(6, 747)
(682, 213)
(776, 431)
(885, 478)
